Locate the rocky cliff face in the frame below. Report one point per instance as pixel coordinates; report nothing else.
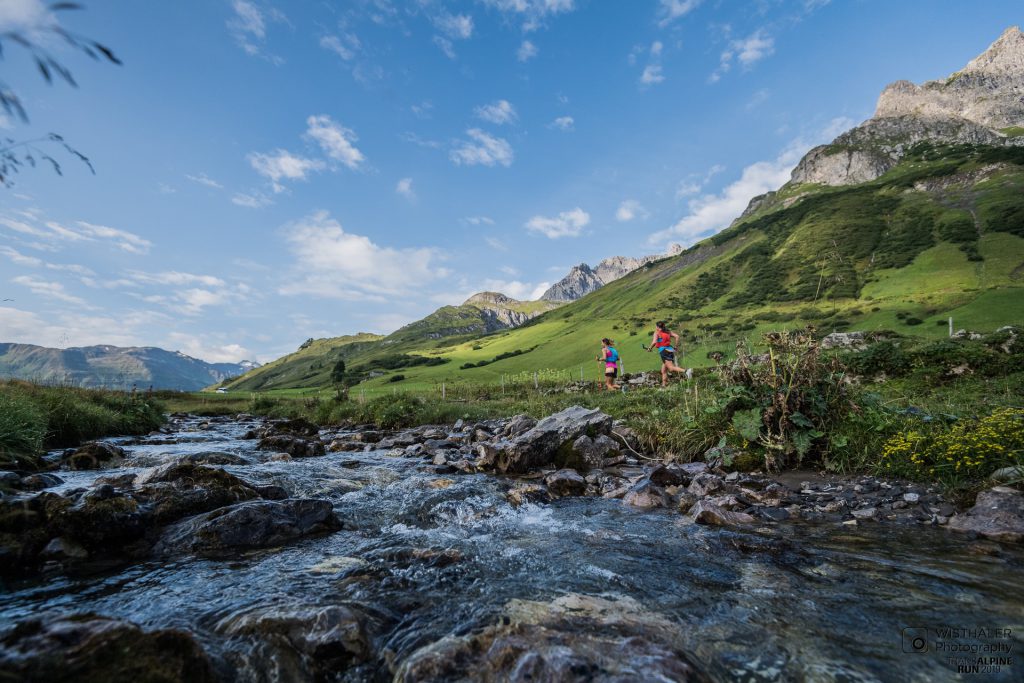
(500, 312)
(977, 105)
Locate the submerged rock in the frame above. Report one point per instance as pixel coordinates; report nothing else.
(300, 642)
(708, 513)
(646, 494)
(93, 456)
(87, 647)
(573, 638)
(997, 514)
(254, 524)
(182, 489)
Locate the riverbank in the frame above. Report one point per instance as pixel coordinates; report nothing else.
(223, 548)
(34, 418)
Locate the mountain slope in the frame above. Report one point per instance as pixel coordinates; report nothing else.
(933, 228)
(112, 366)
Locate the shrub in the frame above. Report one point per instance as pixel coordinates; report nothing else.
(880, 357)
(396, 378)
(970, 449)
(913, 321)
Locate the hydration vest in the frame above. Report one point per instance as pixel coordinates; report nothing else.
(664, 340)
(613, 355)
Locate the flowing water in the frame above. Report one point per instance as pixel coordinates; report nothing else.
(432, 556)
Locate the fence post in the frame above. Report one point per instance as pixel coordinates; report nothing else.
(581, 373)
(502, 384)
(536, 386)
(950, 326)
(444, 392)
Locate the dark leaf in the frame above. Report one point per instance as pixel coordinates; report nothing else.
(65, 74)
(58, 6)
(44, 69)
(107, 52)
(56, 166)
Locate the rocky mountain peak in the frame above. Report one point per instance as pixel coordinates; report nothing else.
(580, 281)
(974, 106)
(489, 299)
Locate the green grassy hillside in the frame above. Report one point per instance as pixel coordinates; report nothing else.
(940, 235)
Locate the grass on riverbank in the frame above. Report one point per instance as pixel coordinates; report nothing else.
(844, 414)
(34, 418)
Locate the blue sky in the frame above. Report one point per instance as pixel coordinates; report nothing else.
(269, 171)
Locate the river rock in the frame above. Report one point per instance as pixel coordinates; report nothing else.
(998, 514)
(707, 513)
(294, 446)
(573, 638)
(213, 458)
(566, 482)
(646, 494)
(673, 475)
(591, 453)
(93, 456)
(253, 524)
(61, 649)
(38, 481)
(300, 642)
(705, 484)
(181, 489)
(519, 424)
(527, 493)
(550, 441)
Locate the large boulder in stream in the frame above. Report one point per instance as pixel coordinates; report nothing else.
(182, 489)
(295, 446)
(573, 638)
(997, 514)
(550, 441)
(254, 524)
(60, 648)
(93, 456)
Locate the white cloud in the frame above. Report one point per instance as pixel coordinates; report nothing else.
(446, 46)
(747, 51)
(164, 188)
(77, 329)
(255, 200)
(283, 165)
(345, 46)
(496, 244)
(404, 188)
(123, 239)
(710, 213)
(478, 220)
(20, 259)
(49, 290)
(630, 209)
(526, 51)
(509, 270)
(197, 346)
(652, 74)
(458, 26)
(532, 12)
(565, 224)
(695, 182)
(249, 26)
(409, 136)
(333, 263)
(564, 123)
(673, 9)
(482, 149)
(656, 48)
(206, 180)
(336, 140)
(499, 112)
(174, 277)
(422, 110)
(757, 99)
(20, 15)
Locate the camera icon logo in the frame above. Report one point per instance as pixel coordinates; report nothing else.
(915, 640)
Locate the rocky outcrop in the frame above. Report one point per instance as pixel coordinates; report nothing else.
(550, 442)
(973, 106)
(997, 514)
(500, 312)
(93, 456)
(59, 648)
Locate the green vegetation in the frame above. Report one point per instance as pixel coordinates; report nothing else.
(33, 418)
(940, 235)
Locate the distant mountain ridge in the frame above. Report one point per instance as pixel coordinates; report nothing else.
(115, 367)
(582, 279)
